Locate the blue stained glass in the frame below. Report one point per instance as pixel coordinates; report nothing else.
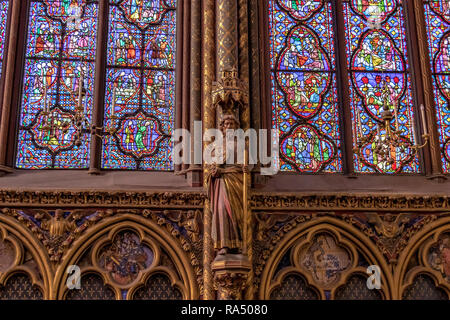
(60, 52)
(437, 16)
(376, 47)
(304, 94)
(3, 19)
(140, 84)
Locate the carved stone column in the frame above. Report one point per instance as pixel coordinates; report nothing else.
(230, 276)
(227, 36)
(208, 71)
(194, 172)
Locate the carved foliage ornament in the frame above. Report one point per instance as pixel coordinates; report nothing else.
(182, 200)
(57, 229)
(390, 232)
(195, 200)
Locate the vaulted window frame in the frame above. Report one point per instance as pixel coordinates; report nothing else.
(188, 14)
(431, 165)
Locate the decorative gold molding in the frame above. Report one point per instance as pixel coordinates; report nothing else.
(372, 237)
(266, 202)
(282, 202)
(155, 243)
(367, 220)
(102, 199)
(17, 265)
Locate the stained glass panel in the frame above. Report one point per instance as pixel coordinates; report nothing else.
(378, 63)
(140, 85)
(60, 53)
(3, 19)
(304, 95)
(437, 16)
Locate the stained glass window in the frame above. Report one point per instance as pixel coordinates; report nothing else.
(304, 94)
(3, 17)
(378, 65)
(437, 14)
(60, 52)
(140, 85)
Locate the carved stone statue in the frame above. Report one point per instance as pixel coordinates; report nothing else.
(58, 225)
(225, 187)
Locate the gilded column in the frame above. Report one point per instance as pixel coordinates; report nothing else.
(227, 36)
(195, 81)
(244, 63)
(185, 114)
(244, 47)
(208, 63)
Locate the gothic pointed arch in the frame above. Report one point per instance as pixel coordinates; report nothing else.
(327, 254)
(135, 258)
(25, 268)
(425, 261)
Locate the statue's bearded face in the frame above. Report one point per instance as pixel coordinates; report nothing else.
(229, 124)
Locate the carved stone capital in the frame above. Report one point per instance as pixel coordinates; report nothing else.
(229, 88)
(230, 276)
